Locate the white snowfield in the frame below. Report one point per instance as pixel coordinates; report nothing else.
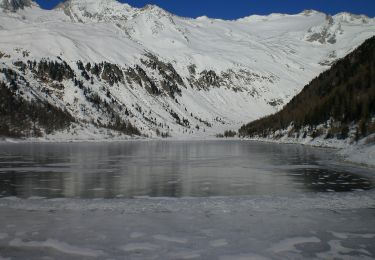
(258, 62)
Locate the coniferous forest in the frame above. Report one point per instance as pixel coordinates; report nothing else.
(19, 117)
(340, 100)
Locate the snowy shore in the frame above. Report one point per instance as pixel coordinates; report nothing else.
(362, 152)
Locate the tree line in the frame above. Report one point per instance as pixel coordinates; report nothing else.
(339, 98)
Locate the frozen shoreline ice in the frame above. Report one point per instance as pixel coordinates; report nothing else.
(317, 226)
(359, 153)
(144, 204)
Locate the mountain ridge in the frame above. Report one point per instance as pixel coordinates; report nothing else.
(29, 3)
(170, 75)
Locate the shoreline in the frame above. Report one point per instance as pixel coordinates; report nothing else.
(139, 204)
(344, 150)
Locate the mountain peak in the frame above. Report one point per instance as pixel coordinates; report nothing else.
(14, 5)
(95, 10)
(309, 12)
(90, 4)
(352, 18)
(154, 8)
(109, 11)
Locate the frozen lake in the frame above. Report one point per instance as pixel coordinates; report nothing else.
(172, 169)
(226, 200)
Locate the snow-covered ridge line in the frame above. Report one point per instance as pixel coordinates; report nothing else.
(100, 5)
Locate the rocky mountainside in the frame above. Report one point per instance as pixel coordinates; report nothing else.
(14, 5)
(341, 103)
(112, 68)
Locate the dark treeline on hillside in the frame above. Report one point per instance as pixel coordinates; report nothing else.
(344, 95)
(19, 117)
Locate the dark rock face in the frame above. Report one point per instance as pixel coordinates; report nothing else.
(209, 78)
(112, 73)
(171, 81)
(14, 5)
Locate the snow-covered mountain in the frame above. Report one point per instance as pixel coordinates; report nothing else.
(163, 73)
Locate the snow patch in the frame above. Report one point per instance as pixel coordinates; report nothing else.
(289, 244)
(170, 239)
(186, 255)
(139, 247)
(337, 249)
(218, 243)
(58, 246)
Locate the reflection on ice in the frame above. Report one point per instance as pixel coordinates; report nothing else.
(171, 169)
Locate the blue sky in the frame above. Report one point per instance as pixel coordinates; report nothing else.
(232, 9)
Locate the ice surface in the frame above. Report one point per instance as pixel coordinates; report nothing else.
(289, 244)
(218, 243)
(139, 247)
(336, 248)
(185, 255)
(318, 226)
(170, 239)
(362, 153)
(3, 235)
(260, 225)
(56, 245)
(349, 235)
(136, 235)
(173, 169)
(244, 257)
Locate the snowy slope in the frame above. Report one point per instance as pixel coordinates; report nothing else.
(193, 77)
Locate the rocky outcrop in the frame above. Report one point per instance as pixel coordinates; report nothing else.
(14, 5)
